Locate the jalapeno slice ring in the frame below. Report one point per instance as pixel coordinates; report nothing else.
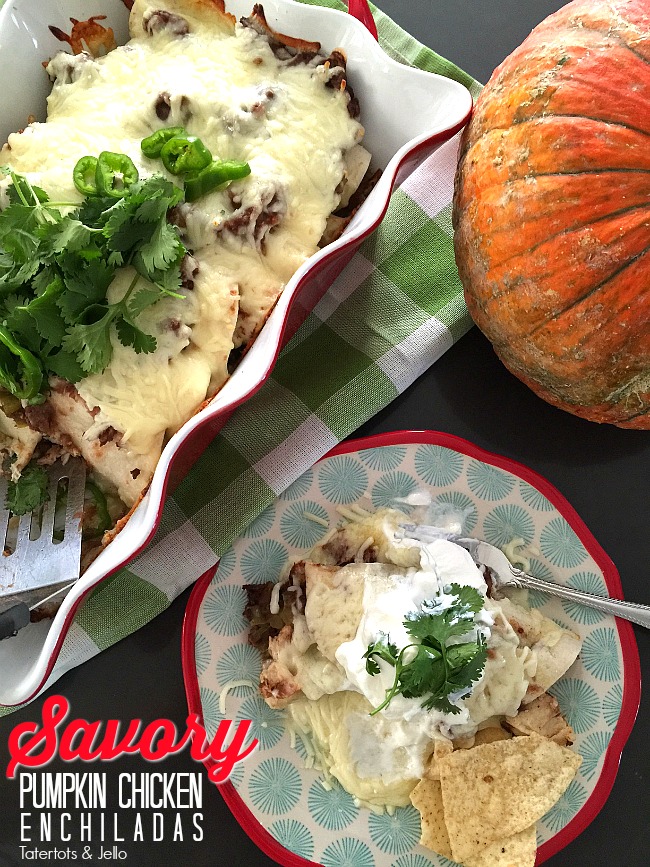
(84, 176)
(114, 175)
(181, 155)
(216, 175)
(153, 144)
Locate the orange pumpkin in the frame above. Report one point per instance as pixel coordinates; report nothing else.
(552, 211)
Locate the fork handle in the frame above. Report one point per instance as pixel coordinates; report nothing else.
(639, 614)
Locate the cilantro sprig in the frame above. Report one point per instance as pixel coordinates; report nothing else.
(29, 492)
(57, 261)
(431, 667)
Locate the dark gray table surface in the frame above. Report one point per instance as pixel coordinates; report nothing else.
(603, 472)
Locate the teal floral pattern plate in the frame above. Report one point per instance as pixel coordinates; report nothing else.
(281, 803)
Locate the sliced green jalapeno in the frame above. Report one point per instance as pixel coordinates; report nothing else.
(217, 174)
(114, 175)
(84, 174)
(20, 371)
(181, 155)
(153, 144)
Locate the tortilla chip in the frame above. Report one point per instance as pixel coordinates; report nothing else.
(466, 742)
(426, 797)
(497, 790)
(520, 850)
(483, 736)
(490, 735)
(441, 747)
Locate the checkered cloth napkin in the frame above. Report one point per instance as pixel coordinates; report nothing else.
(349, 360)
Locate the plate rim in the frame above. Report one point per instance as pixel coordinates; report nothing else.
(631, 667)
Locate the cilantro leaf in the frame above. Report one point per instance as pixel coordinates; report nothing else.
(158, 196)
(29, 492)
(44, 278)
(86, 285)
(68, 234)
(384, 649)
(94, 211)
(115, 259)
(142, 299)
(20, 322)
(441, 703)
(152, 210)
(422, 674)
(131, 335)
(91, 343)
(122, 233)
(65, 365)
(473, 667)
(469, 602)
(169, 282)
(372, 666)
(162, 250)
(455, 620)
(156, 187)
(17, 231)
(17, 277)
(23, 192)
(40, 315)
(437, 669)
(58, 260)
(458, 655)
(47, 319)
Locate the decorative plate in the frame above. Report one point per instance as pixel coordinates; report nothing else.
(282, 804)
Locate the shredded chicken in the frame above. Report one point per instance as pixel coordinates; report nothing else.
(544, 717)
(278, 683)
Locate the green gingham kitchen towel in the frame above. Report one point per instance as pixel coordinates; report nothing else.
(348, 361)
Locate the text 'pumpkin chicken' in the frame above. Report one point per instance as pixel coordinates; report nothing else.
(552, 211)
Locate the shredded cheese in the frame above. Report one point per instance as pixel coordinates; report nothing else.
(348, 513)
(274, 604)
(232, 684)
(514, 553)
(326, 538)
(316, 519)
(358, 557)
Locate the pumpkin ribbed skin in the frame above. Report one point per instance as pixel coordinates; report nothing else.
(552, 211)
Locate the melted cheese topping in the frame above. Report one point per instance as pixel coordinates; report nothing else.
(226, 86)
(352, 746)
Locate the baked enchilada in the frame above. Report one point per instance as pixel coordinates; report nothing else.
(276, 132)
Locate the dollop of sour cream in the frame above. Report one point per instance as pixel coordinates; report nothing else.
(400, 733)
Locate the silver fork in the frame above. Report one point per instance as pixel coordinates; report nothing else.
(506, 575)
(37, 565)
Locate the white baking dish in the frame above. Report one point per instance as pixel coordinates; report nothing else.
(407, 114)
